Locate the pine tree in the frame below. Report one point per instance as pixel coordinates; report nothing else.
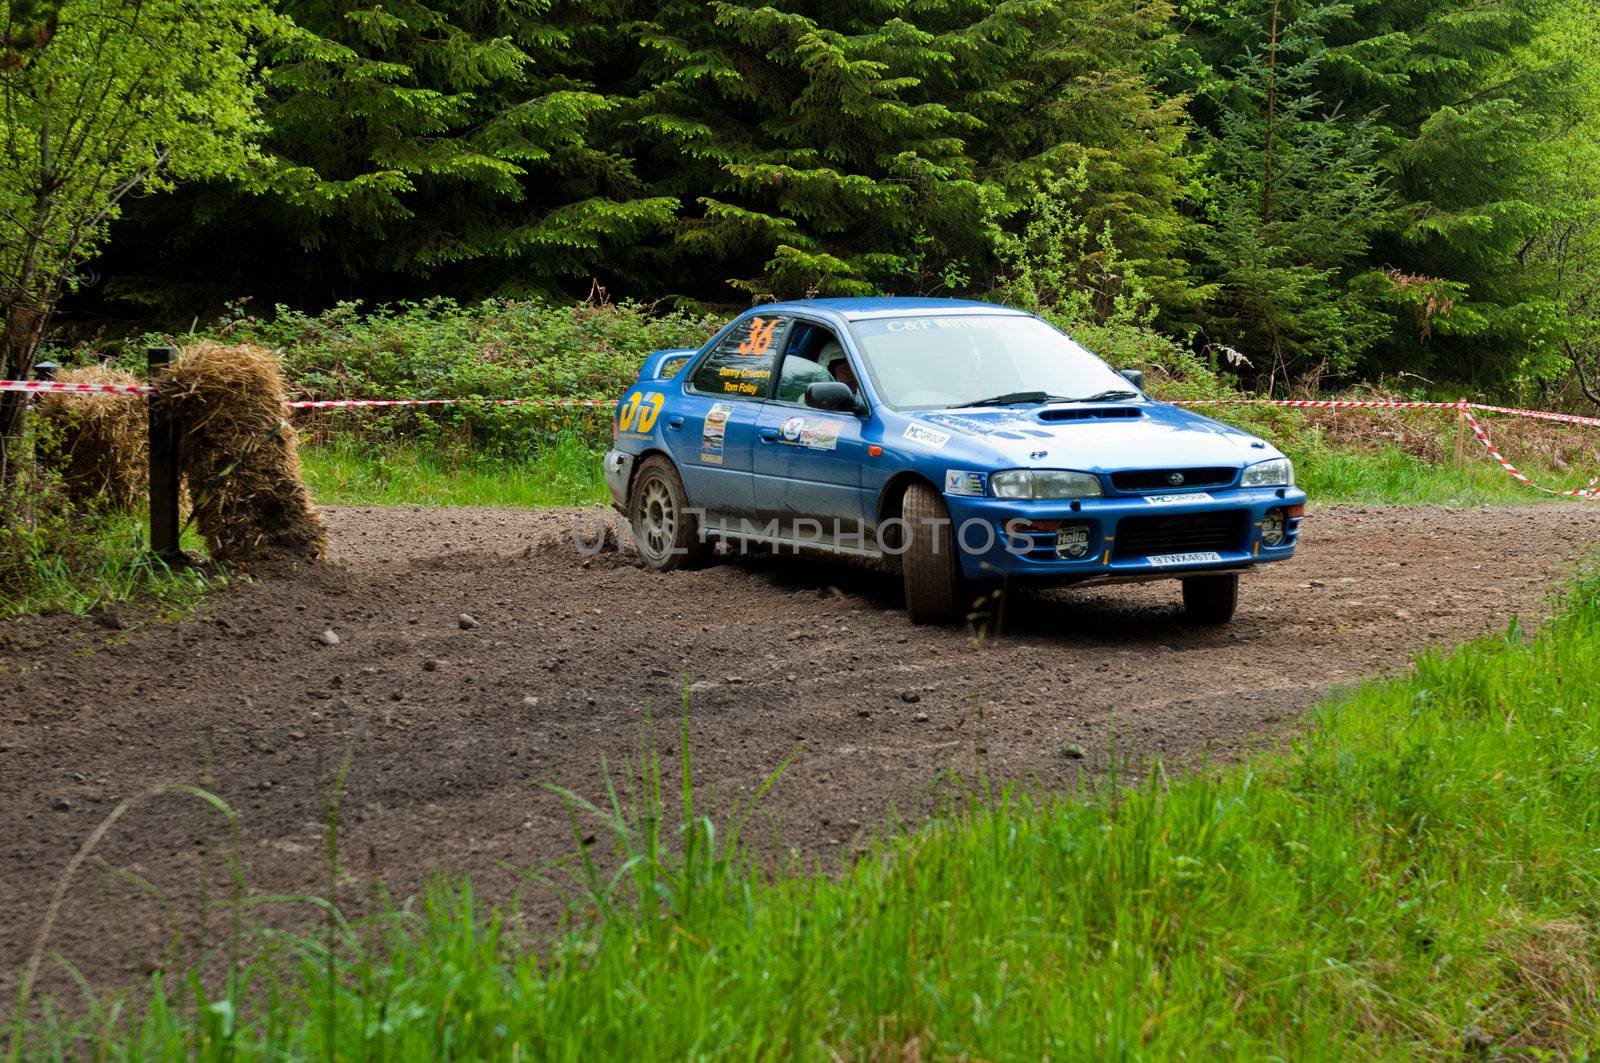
(1295, 193)
(852, 147)
(448, 138)
(1463, 110)
(805, 161)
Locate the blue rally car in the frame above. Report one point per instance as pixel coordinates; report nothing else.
(970, 442)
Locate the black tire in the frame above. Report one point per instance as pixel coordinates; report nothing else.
(666, 534)
(929, 565)
(1210, 599)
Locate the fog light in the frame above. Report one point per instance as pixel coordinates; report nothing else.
(1272, 527)
(1072, 541)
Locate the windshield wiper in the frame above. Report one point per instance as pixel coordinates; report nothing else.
(1016, 398)
(1012, 398)
(1105, 396)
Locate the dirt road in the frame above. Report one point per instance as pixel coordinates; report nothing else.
(454, 727)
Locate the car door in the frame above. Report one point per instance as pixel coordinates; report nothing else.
(711, 430)
(807, 462)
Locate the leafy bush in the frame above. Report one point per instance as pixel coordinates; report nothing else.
(496, 349)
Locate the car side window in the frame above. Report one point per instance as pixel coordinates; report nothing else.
(798, 374)
(741, 364)
(815, 356)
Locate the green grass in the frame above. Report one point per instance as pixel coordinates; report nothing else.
(344, 471)
(1394, 477)
(1417, 876)
(93, 562)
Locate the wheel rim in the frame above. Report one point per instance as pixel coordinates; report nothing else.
(657, 523)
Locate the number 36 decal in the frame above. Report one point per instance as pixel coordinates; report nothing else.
(644, 407)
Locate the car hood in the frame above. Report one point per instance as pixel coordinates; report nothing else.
(1100, 437)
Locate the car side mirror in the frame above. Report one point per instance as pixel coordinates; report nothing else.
(1134, 377)
(830, 395)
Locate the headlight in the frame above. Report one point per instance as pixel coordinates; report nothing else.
(1044, 484)
(1274, 473)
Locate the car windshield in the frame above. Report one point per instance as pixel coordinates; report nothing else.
(926, 363)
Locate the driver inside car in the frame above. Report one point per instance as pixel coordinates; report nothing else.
(832, 355)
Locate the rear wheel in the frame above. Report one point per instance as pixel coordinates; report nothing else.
(665, 531)
(1210, 599)
(929, 564)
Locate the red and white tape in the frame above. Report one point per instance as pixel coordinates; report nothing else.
(55, 387)
(1320, 404)
(1330, 404)
(1588, 491)
(50, 386)
(1464, 408)
(342, 404)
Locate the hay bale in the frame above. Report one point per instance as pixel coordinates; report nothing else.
(103, 440)
(241, 461)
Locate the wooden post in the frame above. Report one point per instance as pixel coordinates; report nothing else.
(164, 443)
(1461, 438)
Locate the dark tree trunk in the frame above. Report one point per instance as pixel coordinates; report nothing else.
(19, 338)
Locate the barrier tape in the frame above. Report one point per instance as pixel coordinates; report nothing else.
(340, 404)
(1588, 491)
(1322, 404)
(86, 389)
(1514, 411)
(53, 386)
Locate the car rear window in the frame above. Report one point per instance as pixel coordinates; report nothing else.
(741, 364)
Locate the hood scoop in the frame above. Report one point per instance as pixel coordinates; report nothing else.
(1088, 413)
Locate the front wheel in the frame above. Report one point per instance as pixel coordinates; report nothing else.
(666, 532)
(1210, 599)
(931, 570)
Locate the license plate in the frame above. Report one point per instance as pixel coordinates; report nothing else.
(1168, 560)
(1178, 500)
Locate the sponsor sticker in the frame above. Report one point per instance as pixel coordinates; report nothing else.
(1169, 560)
(816, 433)
(637, 416)
(928, 437)
(965, 482)
(1178, 500)
(711, 436)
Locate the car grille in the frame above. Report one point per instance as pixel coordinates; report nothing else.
(1188, 533)
(1161, 479)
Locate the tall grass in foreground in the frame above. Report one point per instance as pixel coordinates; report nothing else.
(1418, 875)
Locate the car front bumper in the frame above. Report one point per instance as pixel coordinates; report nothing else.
(1129, 538)
(619, 471)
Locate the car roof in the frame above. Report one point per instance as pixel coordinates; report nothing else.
(889, 306)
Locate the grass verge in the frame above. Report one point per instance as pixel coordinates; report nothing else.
(343, 471)
(103, 559)
(1393, 477)
(346, 471)
(1415, 876)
